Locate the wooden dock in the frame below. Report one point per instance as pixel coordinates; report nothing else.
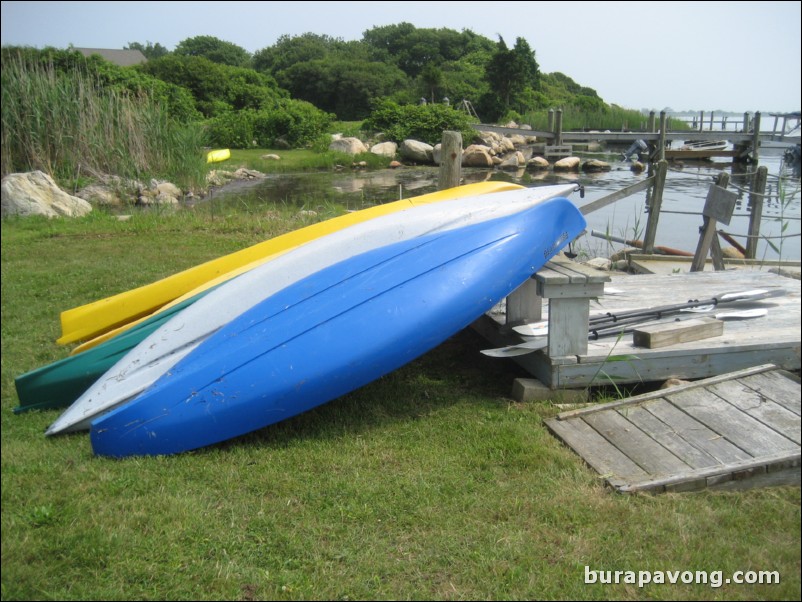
(734, 431)
(573, 362)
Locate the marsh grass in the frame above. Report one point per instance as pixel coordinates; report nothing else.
(69, 126)
(611, 118)
(427, 484)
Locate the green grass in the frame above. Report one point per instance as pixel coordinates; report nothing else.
(427, 484)
(296, 160)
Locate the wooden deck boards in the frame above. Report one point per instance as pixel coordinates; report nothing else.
(736, 430)
(774, 338)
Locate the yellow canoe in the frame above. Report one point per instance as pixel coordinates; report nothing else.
(216, 156)
(94, 319)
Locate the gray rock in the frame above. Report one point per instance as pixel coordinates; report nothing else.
(35, 193)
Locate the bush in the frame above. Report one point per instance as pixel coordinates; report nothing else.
(419, 122)
(296, 122)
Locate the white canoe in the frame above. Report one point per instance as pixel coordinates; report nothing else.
(160, 351)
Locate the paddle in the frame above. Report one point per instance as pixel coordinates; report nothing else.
(627, 317)
(541, 342)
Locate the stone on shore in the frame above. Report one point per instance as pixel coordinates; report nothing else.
(35, 193)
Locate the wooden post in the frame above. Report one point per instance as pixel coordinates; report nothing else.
(722, 180)
(701, 120)
(450, 160)
(654, 206)
(652, 124)
(746, 122)
(558, 128)
(719, 206)
(550, 126)
(756, 194)
(661, 156)
(756, 137)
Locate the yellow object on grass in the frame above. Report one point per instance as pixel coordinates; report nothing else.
(216, 156)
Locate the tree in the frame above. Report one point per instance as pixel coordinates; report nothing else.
(431, 78)
(344, 87)
(151, 51)
(289, 51)
(214, 49)
(216, 88)
(512, 75)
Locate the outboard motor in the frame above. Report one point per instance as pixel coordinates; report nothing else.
(638, 146)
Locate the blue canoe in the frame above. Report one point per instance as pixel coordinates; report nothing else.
(335, 331)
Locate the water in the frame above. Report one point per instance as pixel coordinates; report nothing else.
(683, 199)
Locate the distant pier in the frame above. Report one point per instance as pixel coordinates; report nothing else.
(746, 137)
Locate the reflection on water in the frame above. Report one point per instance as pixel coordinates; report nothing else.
(685, 193)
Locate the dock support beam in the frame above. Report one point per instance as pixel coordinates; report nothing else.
(450, 160)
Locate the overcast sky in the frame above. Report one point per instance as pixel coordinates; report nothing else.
(733, 56)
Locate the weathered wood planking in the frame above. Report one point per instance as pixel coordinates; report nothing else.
(774, 338)
(730, 431)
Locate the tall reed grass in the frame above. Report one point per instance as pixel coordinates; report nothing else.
(67, 125)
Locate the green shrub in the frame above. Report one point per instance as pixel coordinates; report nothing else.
(296, 122)
(419, 122)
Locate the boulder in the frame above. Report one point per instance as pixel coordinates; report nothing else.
(513, 161)
(100, 194)
(350, 145)
(417, 151)
(537, 163)
(477, 155)
(384, 149)
(35, 193)
(567, 164)
(595, 166)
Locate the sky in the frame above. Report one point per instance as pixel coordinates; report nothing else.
(733, 56)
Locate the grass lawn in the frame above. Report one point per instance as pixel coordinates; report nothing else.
(427, 484)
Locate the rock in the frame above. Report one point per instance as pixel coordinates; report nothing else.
(674, 382)
(595, 166)
(637, 167)
(384, 149)
(417, 151)
(100, 194)
(477, 155)
(537, 163)
(506, 146)
(513, 161)
(437, 153)
(35, 193)
(395, 164)
(567, 164)
(248, 174)
(160, 193)
(351, 146)
(271, 157)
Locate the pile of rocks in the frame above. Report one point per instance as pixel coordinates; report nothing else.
(486, 150)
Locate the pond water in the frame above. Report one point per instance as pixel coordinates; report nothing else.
(680, 219)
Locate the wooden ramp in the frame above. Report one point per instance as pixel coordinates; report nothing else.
(732, 431)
